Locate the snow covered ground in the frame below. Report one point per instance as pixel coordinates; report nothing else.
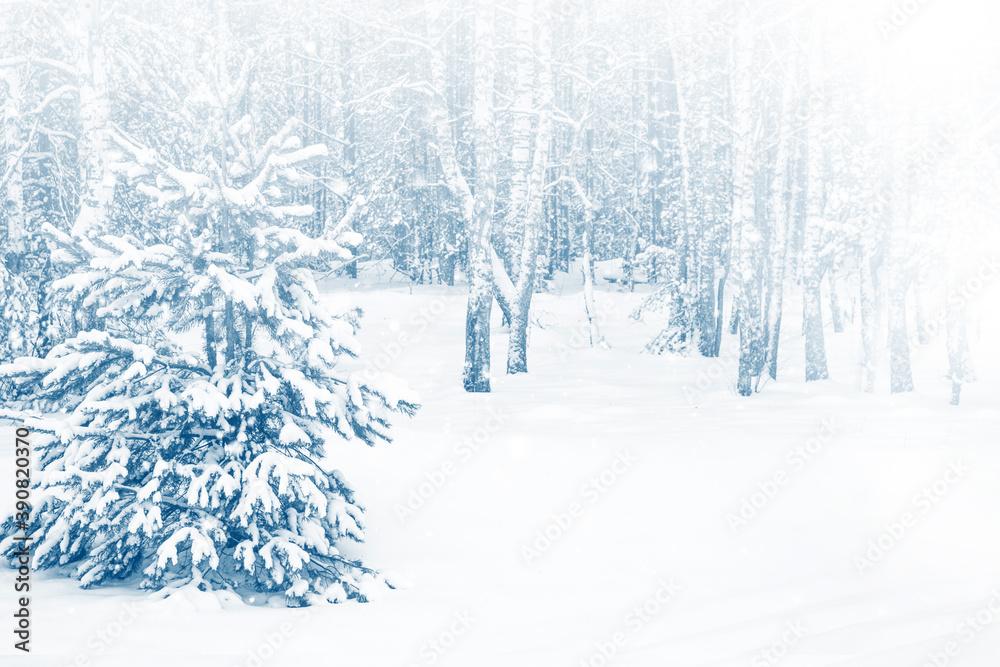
(617, 508)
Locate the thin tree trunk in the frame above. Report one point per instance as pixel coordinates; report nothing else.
(519, 218)
(720, 300)
(835, 310)
(923, 332)
(901, 375)
(97, 189)
(15, 296)
(349, 133)
(779, 232)
(869, 318)
(12, 166)
(210, 343)
(812, 267)
(534, 196)
(812, 316)
(590, 304)
(225, 226)
(900, 372)
(744, 222)
(476, 374)
(959, 364)
(686, 220)
(583, 141)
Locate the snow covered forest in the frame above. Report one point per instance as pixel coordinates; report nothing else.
(239, 235)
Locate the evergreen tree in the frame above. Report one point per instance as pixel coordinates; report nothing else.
(190, 422)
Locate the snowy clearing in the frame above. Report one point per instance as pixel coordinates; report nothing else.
(652, 516)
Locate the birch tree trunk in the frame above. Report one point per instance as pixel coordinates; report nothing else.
(533, 198)
(96, 182)
(836, 312)
(522, 103)
(11, 169)
(812, 267)
(17, 326)
(869, 317)
(779, 231)
(348, 132)
(589, 302)
(744, 221)
(960, 369)
(673, 198)
(900, 372)
(476, 209)
(584, 141)
(923, 329)
(476, 375)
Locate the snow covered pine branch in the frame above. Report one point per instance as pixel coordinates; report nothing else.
(198, 456)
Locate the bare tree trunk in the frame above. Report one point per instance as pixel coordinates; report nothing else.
(628, 269)
(348, 130)
(720, 301)
(923, 331)
(812, 308)
(11, 169)
(744, 221)
(589, 302)
(707, 242)
(534, 196)
(960, 369)
(476, 375)
(583, 143)
(15, 297)
(519, 218)
(477, 209)
(900, 373)
(589, 217)
(838, 316)
(779, 232)
(210, 342)
(869, 318)
(688, 241)
(97, 187)
(812, 267)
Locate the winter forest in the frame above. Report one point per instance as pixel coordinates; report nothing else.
(509, 243)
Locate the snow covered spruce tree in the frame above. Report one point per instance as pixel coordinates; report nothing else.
(189, 423)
